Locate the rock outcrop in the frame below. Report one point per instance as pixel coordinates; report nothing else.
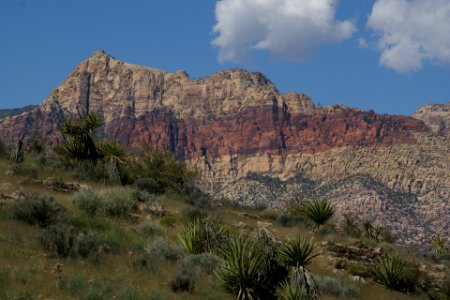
(436, 117)
(233, 124)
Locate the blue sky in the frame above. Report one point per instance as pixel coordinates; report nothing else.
(354, 61)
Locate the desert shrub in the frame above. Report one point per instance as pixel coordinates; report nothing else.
(111, 240)
(149, 185)
(317, 211)
(87, 222)
(162, 167)
(196, 197)
(87, 245)
(186, 276)
(38, 210)
(239, 273)
(143, 196)
(88, 201)
(118, 201)
(150, 229)
(168, 220)
(59, 240)
(350, 226)
(191, 214)
(162, 248)
(336, 287)
(27, 169)
(206, 261)
(270, 214)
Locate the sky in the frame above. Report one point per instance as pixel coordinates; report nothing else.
(392, 56)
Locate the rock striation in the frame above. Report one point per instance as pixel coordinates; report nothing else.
(234, 124)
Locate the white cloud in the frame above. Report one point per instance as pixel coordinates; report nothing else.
(412, 32)
(362, 43)
(290, 29)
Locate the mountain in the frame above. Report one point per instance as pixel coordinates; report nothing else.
(16, 111)
(234, 124)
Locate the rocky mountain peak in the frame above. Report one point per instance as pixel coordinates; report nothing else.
(436, 116)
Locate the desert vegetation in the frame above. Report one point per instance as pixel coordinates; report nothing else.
(137, 227)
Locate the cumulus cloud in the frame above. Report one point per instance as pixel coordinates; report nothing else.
(410, 33)
(290, 29)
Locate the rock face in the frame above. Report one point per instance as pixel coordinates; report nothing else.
(233, 124)
(436, 116)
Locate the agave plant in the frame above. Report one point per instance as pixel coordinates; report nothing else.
(391, 272)
(239, 272)
(298, 254)
(318, 211)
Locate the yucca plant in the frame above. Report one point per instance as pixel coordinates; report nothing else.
(111, 152)
(289, 290)
(391, 272)
(297, 254)
(80, 144)
(368, 228)
(192, 237)
(239, 272)
(317, 211)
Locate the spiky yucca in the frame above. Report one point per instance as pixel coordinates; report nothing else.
(439, 245)
(239, 272)
(391, 272)
(111, 152)
(318, 211)
(289, 290)
(298, 254)
(192, 237)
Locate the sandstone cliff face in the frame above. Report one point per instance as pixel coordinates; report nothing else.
(235, 123)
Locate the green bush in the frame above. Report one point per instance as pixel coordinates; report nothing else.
(150, 229)
(37, 210)
(118, 201)
(88, 201)
(287, 220)
(149, 185)
(162, 248)
(76, 284)
(336, 287)
(90, 171)
(59, 240)
(168, 220)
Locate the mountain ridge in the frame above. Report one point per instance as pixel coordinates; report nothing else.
(235, 123)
